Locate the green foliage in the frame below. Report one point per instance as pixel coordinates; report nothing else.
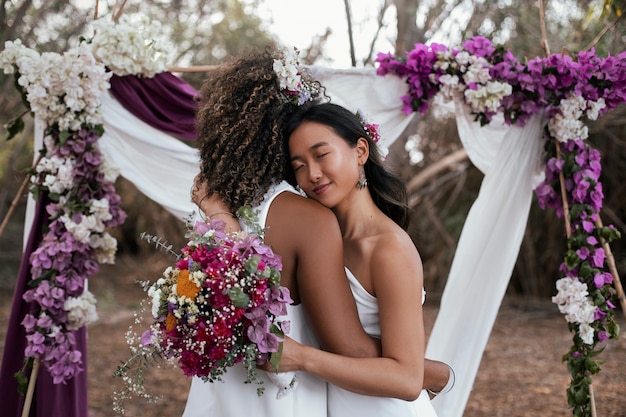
(238, 297)
(21, 378)
(14, 127)
(275, 356)
(160, 244)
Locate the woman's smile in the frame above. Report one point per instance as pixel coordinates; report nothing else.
(321, 188)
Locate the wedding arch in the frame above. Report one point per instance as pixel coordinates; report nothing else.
(101, 114)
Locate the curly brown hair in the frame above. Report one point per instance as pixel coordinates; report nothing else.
(240, 123)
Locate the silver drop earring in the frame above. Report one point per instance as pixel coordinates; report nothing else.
(362, 182)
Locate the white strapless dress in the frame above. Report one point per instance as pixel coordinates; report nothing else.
(233, 398)
(342, 403)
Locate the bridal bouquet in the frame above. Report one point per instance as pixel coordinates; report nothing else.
(220, 304)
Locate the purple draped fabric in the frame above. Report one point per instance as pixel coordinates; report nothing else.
(49, 400)
(165, 102)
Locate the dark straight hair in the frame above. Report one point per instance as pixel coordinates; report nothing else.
(387, 190)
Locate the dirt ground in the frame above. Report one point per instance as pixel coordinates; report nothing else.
(521, 373)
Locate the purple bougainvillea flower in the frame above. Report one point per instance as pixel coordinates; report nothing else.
(583, 253)
(598, 257)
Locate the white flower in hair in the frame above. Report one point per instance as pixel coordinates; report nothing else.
(293, 87)
(287, 72)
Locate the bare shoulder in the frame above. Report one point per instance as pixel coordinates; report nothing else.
(394, 244)
(295, 210)
(394, 258)
(302, 221)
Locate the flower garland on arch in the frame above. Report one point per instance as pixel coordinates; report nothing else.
(76, 181)
(490, 80)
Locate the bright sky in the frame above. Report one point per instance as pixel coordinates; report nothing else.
(296, 22)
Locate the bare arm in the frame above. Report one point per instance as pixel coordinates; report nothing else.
(436, 375)
(311, 231)
(399, 372)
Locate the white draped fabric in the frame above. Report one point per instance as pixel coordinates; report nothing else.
(162, 167)
(159, 165)
(377, 96)
(510, 158)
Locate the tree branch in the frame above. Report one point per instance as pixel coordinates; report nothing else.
(602, 33)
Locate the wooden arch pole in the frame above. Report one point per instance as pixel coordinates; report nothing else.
(610, 260)
(31, 388)
(14, 203)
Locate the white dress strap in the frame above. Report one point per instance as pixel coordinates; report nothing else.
(273, 192)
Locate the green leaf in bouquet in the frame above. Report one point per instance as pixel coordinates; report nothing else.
(252, 265)
(576, 209)
(274, 277)
(613, 329)
(585, 269)
(580, 394)
(275, 356)
(64, 135)
(571, 259)
(250, 217)
(160, 244)
(598, 298)
(238, 297)
(609, 233)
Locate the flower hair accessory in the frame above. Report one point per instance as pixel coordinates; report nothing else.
(294, 88)
(370, 128)
(372, 131)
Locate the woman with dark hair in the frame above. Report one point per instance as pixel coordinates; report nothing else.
(335, 161)
(387, 191)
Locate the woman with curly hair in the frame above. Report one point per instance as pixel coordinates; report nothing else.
(243, 111)
(239, 123)
(241, 117)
